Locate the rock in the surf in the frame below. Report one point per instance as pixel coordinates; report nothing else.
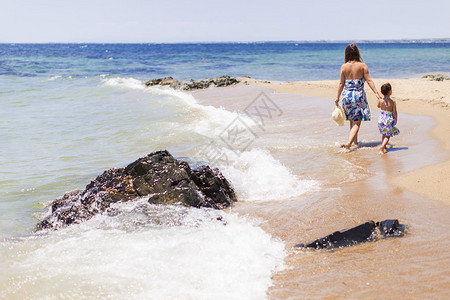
(158, 176)
(191, 84)
(368, 231)
(160, 81)
(436, 77)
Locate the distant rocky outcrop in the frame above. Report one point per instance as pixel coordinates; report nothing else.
(159, 176)
(191, 84)
(436, 77)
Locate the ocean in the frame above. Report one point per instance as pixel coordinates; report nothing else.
(71, 111)
(269, 60)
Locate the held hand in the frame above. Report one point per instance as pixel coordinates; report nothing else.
(336, 102)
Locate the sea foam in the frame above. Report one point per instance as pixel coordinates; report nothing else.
(146, 251)
(206, 120)
(130, 83)
(258, 176)
(255, 173)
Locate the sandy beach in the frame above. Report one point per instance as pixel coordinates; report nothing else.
(410, 183)
(73, 111)
(417, 96)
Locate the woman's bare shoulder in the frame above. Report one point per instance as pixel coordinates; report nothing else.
(353, 65)
(362, 65)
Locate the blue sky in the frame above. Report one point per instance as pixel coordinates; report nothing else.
(230, 20)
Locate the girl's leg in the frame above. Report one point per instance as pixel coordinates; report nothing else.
(353, 133)
(384, 144)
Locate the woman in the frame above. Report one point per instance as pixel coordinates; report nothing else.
(354, 73)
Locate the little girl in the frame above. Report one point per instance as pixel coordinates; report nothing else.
(388, 117)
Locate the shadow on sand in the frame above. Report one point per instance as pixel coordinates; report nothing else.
(369, 144)
(390, 147)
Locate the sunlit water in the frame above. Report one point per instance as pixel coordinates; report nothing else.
(59, 134)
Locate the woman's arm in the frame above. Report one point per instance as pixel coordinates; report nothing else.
(370, 82)
(340, 88)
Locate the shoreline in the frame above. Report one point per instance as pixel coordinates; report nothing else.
(344, 202)
(413, 96)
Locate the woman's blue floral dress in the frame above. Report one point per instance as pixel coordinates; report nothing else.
(354, 100)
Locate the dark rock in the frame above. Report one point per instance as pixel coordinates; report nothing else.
(436, 77)
(213, 185)
(189, 85)
(160, 81)
(391, 228)
(196, 85)
(225, 81)
(159, 176)
(369, 231)
(167, 81)
(177, 84)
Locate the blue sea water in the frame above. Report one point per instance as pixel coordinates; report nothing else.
(70, 111)
(272, 61)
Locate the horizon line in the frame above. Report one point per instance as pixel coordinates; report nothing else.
(404, 40)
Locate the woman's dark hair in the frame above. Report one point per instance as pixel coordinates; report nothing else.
(352, 53)
(386, 88)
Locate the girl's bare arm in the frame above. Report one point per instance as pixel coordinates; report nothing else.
(394, 110)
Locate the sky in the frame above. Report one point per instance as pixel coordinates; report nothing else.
(172, 21)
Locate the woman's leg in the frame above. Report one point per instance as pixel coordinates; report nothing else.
(353, 133)
(355, 141)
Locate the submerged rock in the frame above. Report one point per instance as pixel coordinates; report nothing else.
(188, 85)
(159, 176)
(368, 231)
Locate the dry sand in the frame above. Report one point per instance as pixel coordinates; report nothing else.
(413, 96)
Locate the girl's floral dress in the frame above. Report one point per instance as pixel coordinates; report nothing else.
(386, 123)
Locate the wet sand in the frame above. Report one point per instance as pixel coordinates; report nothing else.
(381, 187)
(414, 96)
